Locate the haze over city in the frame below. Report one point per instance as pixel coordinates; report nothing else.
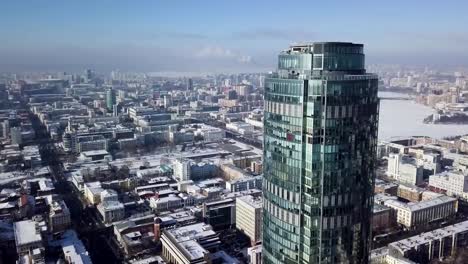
(237, 132)
(223, 36)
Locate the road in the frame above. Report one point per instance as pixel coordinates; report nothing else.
(95, 236)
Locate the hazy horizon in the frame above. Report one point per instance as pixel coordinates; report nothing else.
(210, 36)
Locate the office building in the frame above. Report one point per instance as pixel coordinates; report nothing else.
(453, 183)
(320, 141)
(413, 215)
(405, 169)
(189, 84)
(249, 217)
(59, 215)
(437, 244)
(189, 244)
(182, 169)
(27, 237)
(221, 215)
(110, 99)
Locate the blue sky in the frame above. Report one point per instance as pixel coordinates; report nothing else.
(207, 36)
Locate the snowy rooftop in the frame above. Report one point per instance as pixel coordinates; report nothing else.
(73, 248)
(94, 153)
(186, 237)
(423, 204)
(424, 238)
(26, 232)
(111, 205)
(256, 202)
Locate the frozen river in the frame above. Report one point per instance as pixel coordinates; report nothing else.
(402, 118)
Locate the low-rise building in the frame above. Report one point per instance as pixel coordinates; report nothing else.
(382, 218)
(59, 215)
(189, 244)
(382, 186)
(244, 184)
(95, 155)
(111, 211)
(413, 215)
(255, 254)
(437, 244)
(221, 214)
(27, 237)
(161, 204)
(453, 183)
(410, 192)
(92, 192)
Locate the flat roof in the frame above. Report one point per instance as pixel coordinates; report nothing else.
(421, 205)
(186, 238)
(95, 153)
(256, 202)
(26, 233)
(424, 238)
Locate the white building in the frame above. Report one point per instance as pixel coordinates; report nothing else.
(454, 183)
(16, 136)
(75, 252)
(27, 237)
(436, 244)
(111, 211)
(182, 169)
(249, 217)
(166, 203)
(405, 169)
(412, 215)
(255, 254)
(240, 127)
(189, 244)
(211, 134)
(244, 184)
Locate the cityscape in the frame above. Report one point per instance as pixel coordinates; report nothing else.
(227, 136)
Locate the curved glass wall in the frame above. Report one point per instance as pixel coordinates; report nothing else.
(319, 161)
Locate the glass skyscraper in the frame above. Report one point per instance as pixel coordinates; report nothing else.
(321, 122)
(110, 99)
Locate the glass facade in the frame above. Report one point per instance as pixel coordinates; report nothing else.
(321, 118)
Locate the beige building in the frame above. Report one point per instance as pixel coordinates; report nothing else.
(92, 192)
(249, 217)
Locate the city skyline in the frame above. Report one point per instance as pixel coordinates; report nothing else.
(238, 132)
(159, 37)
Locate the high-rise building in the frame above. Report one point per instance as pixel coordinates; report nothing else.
(320, 124)
(110, 99)
(190, 84)
(16, 136)
(249, 217)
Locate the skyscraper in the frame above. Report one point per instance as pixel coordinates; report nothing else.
(110, 99)
(189, 84)
(321, 119)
